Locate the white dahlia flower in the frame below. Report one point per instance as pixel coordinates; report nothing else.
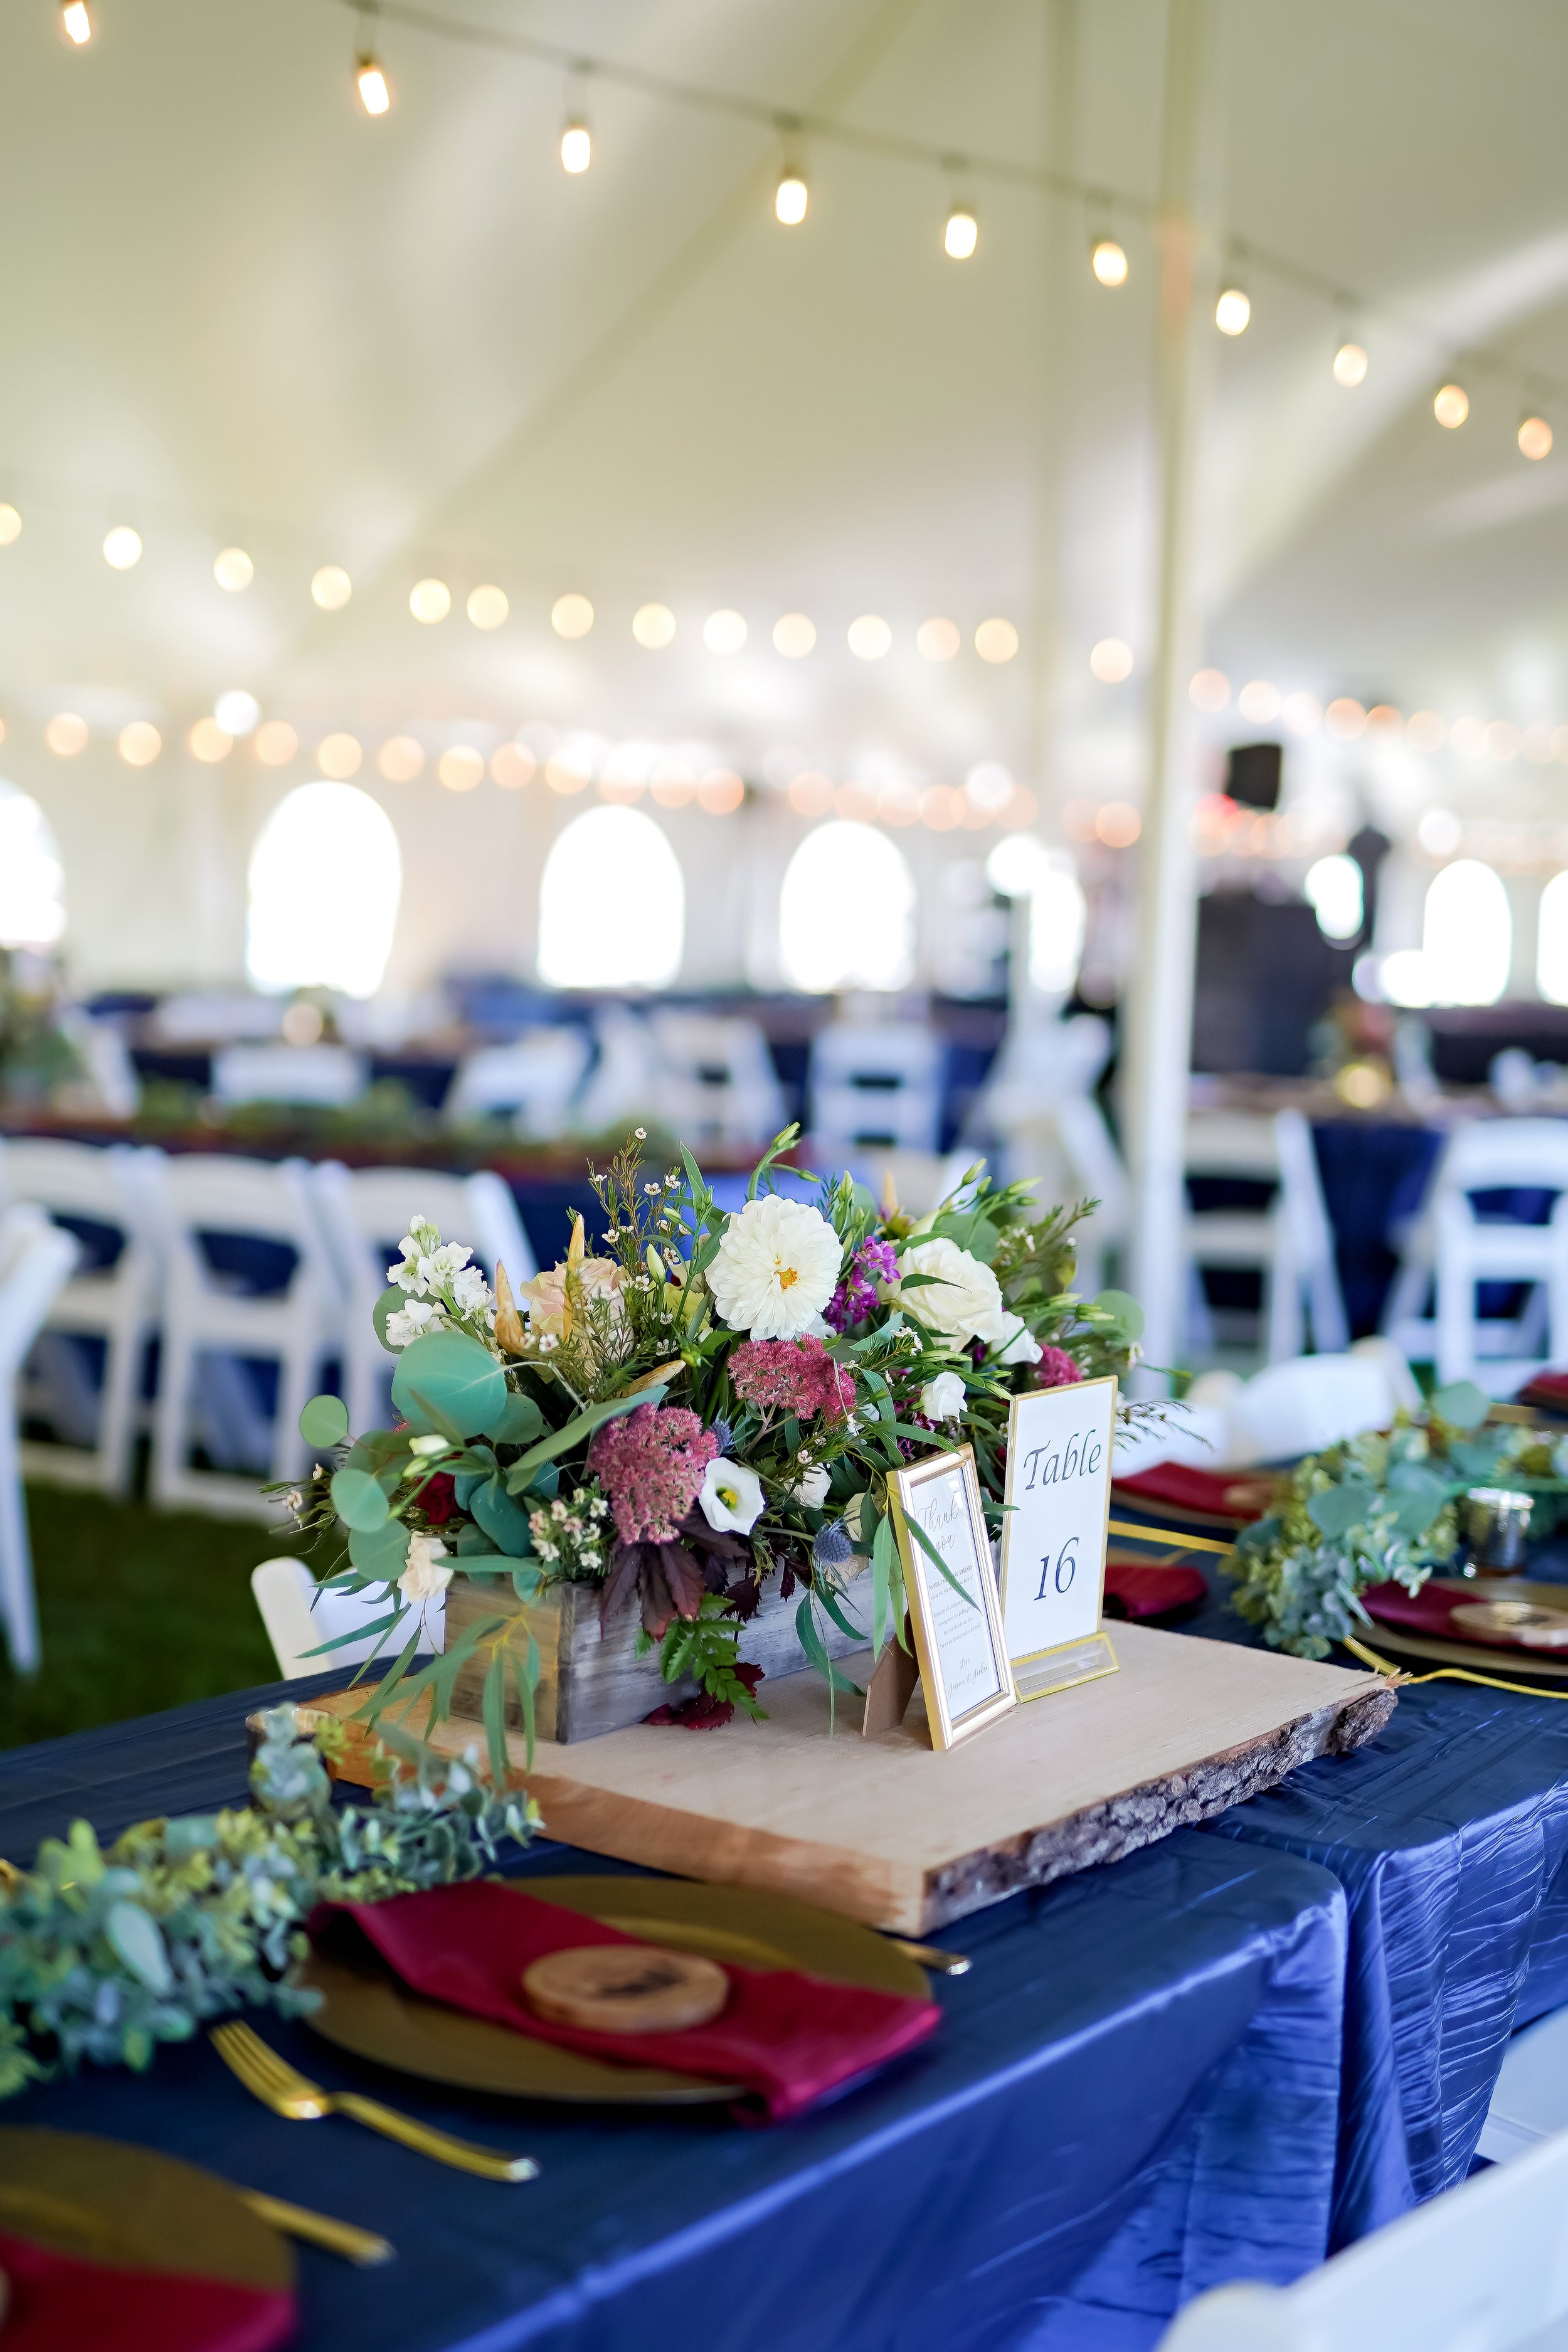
(775, 1268)
(961, 1301)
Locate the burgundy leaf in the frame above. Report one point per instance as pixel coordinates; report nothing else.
(621, 1583)
(743, 1596)
(685, 1577)
(657, 1607)
(787, 1582)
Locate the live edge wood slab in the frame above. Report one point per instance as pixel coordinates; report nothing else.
(894, 1833)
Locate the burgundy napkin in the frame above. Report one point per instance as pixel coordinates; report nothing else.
(789, 2038)
(61, 2304)
(1234, 1495)
(1547, 1389)
(1143, 1589)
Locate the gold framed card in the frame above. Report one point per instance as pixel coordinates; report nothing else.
(1054, 1536)
(955, 1620)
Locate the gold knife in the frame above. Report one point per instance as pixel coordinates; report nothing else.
(360, 2246)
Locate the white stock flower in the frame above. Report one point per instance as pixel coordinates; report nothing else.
(964, 1299)
(811, 1487)
(427, 1574)
(942, 1398)
(776, 1269)
(409, 1322)
(732, 1496)
(471, 1293)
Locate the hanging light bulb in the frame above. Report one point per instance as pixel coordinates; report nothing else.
(1107, 261)
(1349, 365)
(577, 147)
(76, 23)
(1534, 436)
(962, 235)
(1451, 405)
(791, 197)
(1232, 311)
(370, 80)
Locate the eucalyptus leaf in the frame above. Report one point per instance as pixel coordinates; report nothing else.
(324, 1422)
(447, 1378)
(1337, 1509)
(391, 1301)
(359, 1502)
(1126, 1310)
(380, 1551)
(504, 1521)
(520, 1424)
(1461, 1405)
(137, 1940)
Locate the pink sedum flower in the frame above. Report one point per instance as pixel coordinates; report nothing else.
(650, 1462)
(794, 1376)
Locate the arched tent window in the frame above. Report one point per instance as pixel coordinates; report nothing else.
(847, 911)
(32, 879)
(1467, 941)
(611, 904)
(325, 878)
(1551, 942)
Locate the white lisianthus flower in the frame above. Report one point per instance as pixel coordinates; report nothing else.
(409, 1322)
(942, 1398)
(811, 1487)
(427, 1573)
(776, 1269)
(1020, 1345)
(961, 1301)
(730, 1496)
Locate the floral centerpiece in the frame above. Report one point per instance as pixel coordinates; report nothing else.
(1377, 1510)
(706, 1405)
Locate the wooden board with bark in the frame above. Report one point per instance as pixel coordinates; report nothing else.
(896, 1835)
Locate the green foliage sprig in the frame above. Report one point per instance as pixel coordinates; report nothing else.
(1379, 1510)
(105, 1954)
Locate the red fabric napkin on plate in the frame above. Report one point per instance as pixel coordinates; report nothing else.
(1144, 1589)
(1547, 1389)
(1431, 1611)
(1234, 1495)
(61, 2304)
(788, 2037)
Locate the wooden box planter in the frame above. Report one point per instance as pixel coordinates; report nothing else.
(588, 1685)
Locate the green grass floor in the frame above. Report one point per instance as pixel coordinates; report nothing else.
(139, 1610)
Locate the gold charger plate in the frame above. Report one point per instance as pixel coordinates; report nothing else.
(106, 2201)
(368, 2010)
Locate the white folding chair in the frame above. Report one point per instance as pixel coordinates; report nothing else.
(1483, 2268)
(876, 1082)
(365, 1213)
(300, 1615)
(116, 1302)
(35, 1260)
(201, 1018)
(534, 1079)
(212, 1316)
(1288, 1243)
(624, 1083)
(325, 1075)
(106, 1058)
(719, 1083)
(1447, 1250)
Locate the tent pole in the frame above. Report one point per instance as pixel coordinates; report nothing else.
(1158, 1000)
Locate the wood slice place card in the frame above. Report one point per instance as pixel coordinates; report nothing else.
(1054, 1536)
(939, 1520)
(625, 1988)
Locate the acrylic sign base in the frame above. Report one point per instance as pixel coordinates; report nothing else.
(1055, 1670)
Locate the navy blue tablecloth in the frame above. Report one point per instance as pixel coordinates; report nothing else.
(1133, 2095)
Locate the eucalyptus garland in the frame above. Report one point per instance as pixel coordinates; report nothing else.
(1380, 1509)
(105, 1954)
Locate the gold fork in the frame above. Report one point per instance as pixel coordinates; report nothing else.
(361, 2247)
(288, 2092)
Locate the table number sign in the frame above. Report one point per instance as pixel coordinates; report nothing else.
(1054, 1535)
(956, 1625)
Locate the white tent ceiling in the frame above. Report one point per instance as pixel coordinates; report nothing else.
(237, 310)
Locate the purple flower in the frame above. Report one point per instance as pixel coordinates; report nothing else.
(856, 1296)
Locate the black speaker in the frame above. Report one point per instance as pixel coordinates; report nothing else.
(1252, 774)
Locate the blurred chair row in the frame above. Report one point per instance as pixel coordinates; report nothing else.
(231, 1265)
